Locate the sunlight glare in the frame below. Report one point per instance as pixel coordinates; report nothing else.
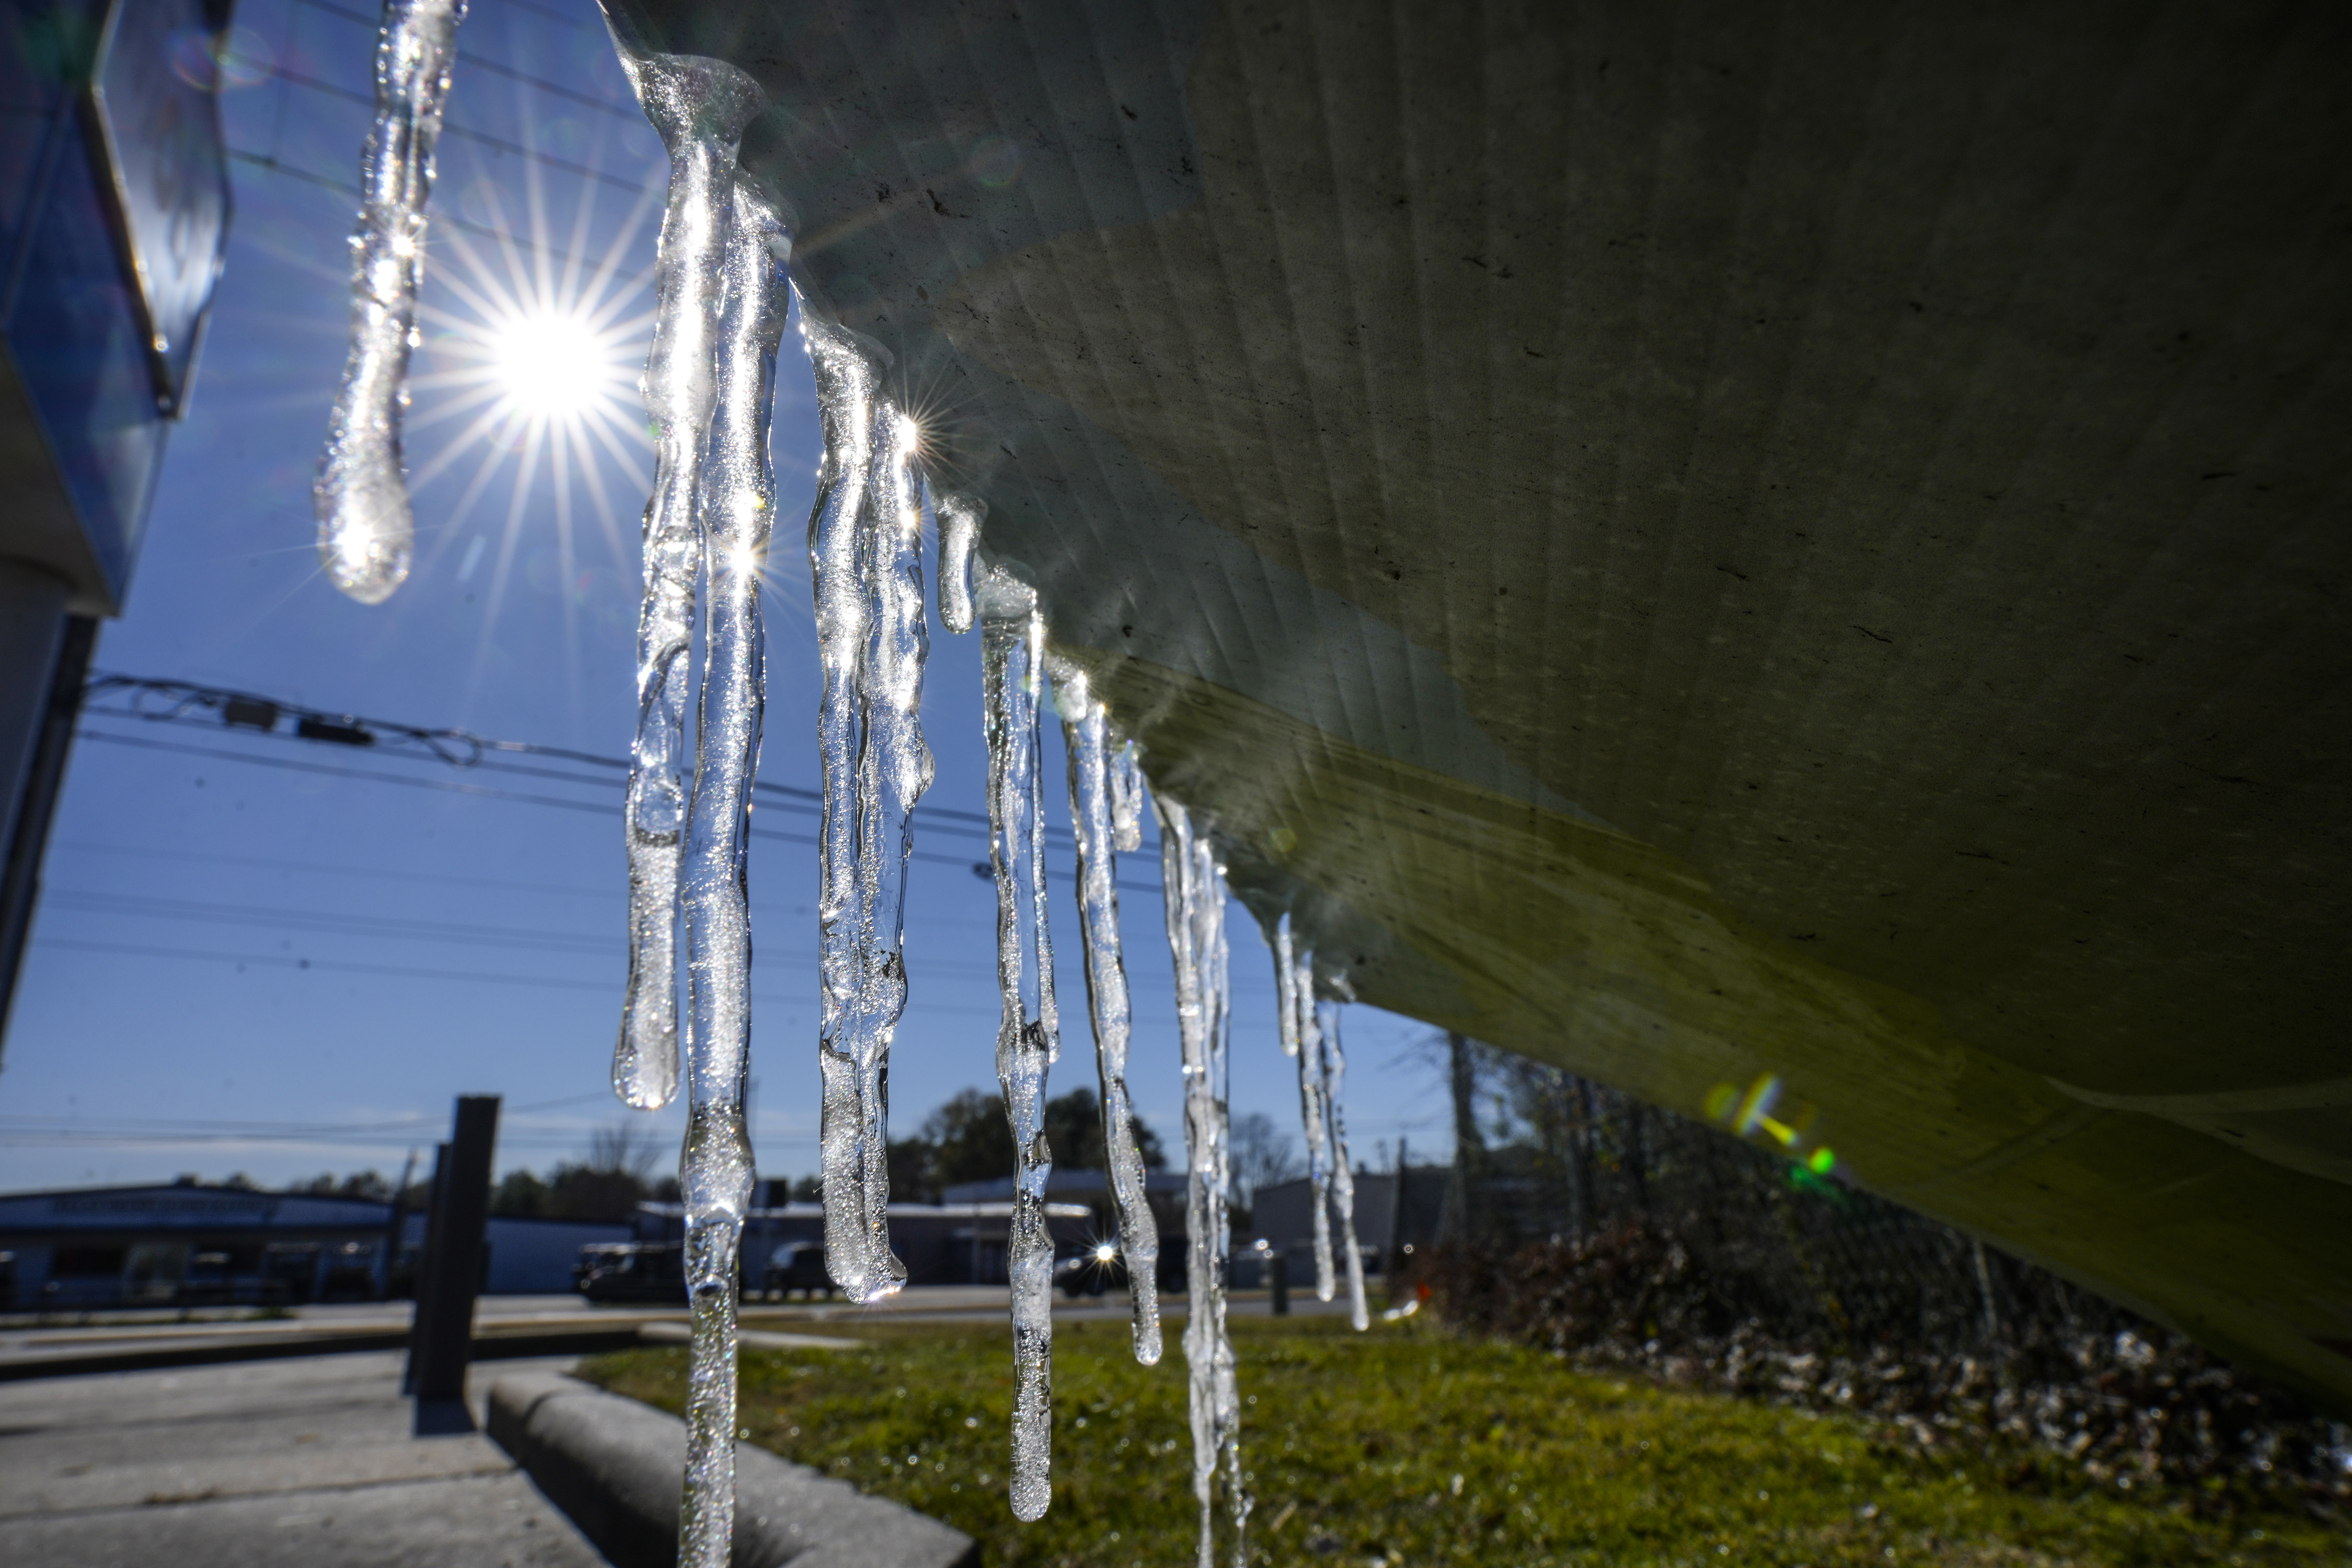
(550, 364)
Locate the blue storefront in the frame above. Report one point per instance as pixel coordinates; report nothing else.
(114, 211)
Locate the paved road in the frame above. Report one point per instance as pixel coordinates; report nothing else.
(309, 1461)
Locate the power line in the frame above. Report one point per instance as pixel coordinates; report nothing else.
(283, 961)
(465, 59)
(404, 928)
(289, 765)
(328, 922)
(181, 700)
(407, 972)
(629, 113)
(560, 18)
(326, 868)
(481, 791)
(345, 188)
(467, 133)
(611, 892)
(418, 1122)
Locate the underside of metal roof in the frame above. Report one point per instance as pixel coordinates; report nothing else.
(1693, 540)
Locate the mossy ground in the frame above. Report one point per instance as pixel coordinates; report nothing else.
(1412, 1445)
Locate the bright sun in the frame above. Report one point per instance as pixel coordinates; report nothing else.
(549, 365)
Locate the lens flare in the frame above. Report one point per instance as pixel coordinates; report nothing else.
(552, 364)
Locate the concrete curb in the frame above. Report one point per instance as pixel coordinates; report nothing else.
(615, 1466)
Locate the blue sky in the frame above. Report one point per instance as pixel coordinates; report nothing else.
(280, 957)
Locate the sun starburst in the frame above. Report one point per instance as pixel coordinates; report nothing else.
(534, 328)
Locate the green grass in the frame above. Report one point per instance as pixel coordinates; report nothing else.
(1409, 1446)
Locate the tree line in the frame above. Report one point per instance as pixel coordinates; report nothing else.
(965, 1139)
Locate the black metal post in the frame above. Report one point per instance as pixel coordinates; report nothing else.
(443, 1336)
(1277, 1281)
(421, 1287)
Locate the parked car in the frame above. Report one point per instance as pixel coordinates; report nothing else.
(632, 1271)
(796, 1266)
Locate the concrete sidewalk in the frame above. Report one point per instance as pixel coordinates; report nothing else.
(308, 1461)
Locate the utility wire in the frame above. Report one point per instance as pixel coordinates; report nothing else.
(479, 792)
(328, 922)
(345, 188)
(467, 133)
(610, 892)
(591, 101)
(327, 868)
(159, 700)
(560, 19)
(400, 928)
(179, 701)
(407, 972)
(415, 1121)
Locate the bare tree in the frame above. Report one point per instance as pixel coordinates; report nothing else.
(624, 1150)
(1263, 1155)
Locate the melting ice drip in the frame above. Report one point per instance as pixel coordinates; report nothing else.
(1011, 659)
(1311, 1034)
(1294, 990)
(1105, 787)
(715, 1170)
(866, 569)
(721, 305)
(366, 530)
(1195, 897)
(1343, 1178)
(700, 107)
(1125, 799)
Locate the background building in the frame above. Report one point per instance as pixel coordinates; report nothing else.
(1282, 1215)
(189, 1245)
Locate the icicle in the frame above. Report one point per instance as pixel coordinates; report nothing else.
(866, 569)
(700, 107)
(1127, 799)
(715, 1169)
(1086, 741)
(1294, 989)
(1012, 655)
(960, 519)
(1194, 893)
(366, 529)
(1343, 1177)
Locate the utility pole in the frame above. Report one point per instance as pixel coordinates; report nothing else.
(399, 1223)
(1465, 1194)
(1395, 1263)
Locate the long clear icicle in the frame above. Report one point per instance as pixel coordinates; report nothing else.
(700, 107)
(960, 518)
(865, 572)
(1013, 675)
(715, 1169)
(1194, 892)
(1125, 799)
(366, 529)
(1294, 990)
(1086, 733)
(1343, 1178)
